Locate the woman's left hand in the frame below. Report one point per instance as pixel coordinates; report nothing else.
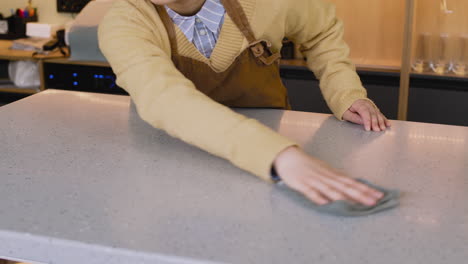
(364, 113)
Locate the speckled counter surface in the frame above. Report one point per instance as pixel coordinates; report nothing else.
(84, 180)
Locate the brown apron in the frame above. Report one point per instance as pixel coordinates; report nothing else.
(253, 79)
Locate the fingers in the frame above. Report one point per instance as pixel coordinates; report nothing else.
(311, 193)
(352, 117)
(375, 123)
(350, 189)
(365, 113)
(362, 187)
(326, 190)
(331, 185)
(319, 182)
(380, 118)
(383, 121)
(387, 122)
(372, 118)
(366, 117)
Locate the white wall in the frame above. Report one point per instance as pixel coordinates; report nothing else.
(47, 10)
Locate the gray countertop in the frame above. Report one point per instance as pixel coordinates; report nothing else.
(84, 180)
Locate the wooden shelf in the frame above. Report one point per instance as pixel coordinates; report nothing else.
(385, 66)
(448, 75)
(7, 54)
(389, 67)
(374, 67)
(83, 63)
(11, 88)
(18, 90)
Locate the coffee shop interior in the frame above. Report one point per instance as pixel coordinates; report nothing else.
(411, 59)
(411, 56)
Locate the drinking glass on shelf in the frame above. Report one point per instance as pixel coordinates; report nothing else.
(460, 66)
(442, 54)
(422, 56)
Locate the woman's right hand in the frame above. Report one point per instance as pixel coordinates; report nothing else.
(318, 181)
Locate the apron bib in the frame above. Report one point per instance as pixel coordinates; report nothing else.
(252, 80)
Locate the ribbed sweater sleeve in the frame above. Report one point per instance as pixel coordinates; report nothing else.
(138, 51)
(313, 24)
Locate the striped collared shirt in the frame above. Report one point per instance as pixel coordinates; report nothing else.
(203, 28)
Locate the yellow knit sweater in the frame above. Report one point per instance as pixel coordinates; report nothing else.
(134, 40)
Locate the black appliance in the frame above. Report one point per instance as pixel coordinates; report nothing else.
(71, 6)
(81, 78)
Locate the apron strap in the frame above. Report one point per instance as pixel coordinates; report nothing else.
(169, 25)
(238, 16)
(260, 48)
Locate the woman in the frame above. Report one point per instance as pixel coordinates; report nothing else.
(184, 62)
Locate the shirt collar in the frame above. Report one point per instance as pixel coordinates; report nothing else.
(211, 14)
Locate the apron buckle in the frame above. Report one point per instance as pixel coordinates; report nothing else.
(260, 47)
